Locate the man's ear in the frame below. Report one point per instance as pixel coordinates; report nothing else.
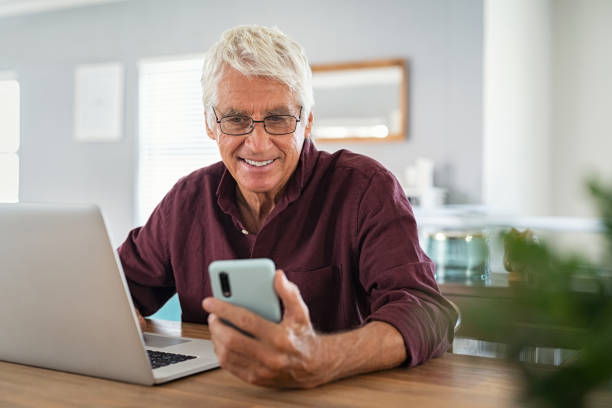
(211, 133)
(309, 123)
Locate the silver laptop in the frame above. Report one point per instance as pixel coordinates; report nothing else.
(65, 304)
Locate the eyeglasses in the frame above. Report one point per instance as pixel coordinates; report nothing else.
(238, 125)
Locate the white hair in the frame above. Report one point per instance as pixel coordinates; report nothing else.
(258, 51)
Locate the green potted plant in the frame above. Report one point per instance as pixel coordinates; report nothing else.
(558, 293)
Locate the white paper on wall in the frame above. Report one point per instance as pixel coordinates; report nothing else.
(98, 102)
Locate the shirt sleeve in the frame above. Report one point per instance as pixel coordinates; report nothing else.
(397, 275)
(146, 263)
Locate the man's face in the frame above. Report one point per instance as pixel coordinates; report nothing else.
(258, 161)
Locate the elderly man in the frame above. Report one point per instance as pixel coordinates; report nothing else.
(358, 292)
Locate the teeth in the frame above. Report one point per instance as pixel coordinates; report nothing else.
(258, 163)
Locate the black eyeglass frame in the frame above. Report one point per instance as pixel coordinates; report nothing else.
(253, 122)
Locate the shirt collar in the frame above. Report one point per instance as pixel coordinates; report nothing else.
(226, 191)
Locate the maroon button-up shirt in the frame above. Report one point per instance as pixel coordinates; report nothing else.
(343, 232)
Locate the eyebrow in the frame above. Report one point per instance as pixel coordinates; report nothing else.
(277, 110)
(234, 112)
(280, 110)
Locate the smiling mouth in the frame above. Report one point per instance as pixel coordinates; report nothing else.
(258, 163)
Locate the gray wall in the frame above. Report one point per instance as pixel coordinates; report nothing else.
(582, 97)
(441, 40)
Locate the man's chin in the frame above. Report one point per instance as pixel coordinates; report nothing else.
(257, 187)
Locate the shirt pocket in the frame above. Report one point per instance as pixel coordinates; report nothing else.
(321, 288)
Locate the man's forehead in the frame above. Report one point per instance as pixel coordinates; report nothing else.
(254, 94)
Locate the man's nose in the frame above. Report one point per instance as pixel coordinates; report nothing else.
(258, 139)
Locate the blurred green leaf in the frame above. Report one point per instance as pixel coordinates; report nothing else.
(558, 290)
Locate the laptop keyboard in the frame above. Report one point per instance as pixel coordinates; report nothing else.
(161, 359)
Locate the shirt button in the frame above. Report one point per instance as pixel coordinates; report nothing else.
(245, 232)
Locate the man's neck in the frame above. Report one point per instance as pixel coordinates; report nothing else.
(255, 208)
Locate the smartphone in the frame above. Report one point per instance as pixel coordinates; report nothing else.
(248, 283)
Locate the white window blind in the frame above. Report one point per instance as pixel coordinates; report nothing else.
(9, 139)
(173, 140)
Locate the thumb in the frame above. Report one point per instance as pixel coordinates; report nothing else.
(295, 308)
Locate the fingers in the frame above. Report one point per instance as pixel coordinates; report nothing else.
(240, 317)
(277, 354)
(227, 356)
(247, 358)
(274, 336)
(295, 308)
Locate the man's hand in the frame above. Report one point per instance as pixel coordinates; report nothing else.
(291, 353)
(288, 354)
(141, 321)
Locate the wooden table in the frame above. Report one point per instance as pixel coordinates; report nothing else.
(451, 380)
